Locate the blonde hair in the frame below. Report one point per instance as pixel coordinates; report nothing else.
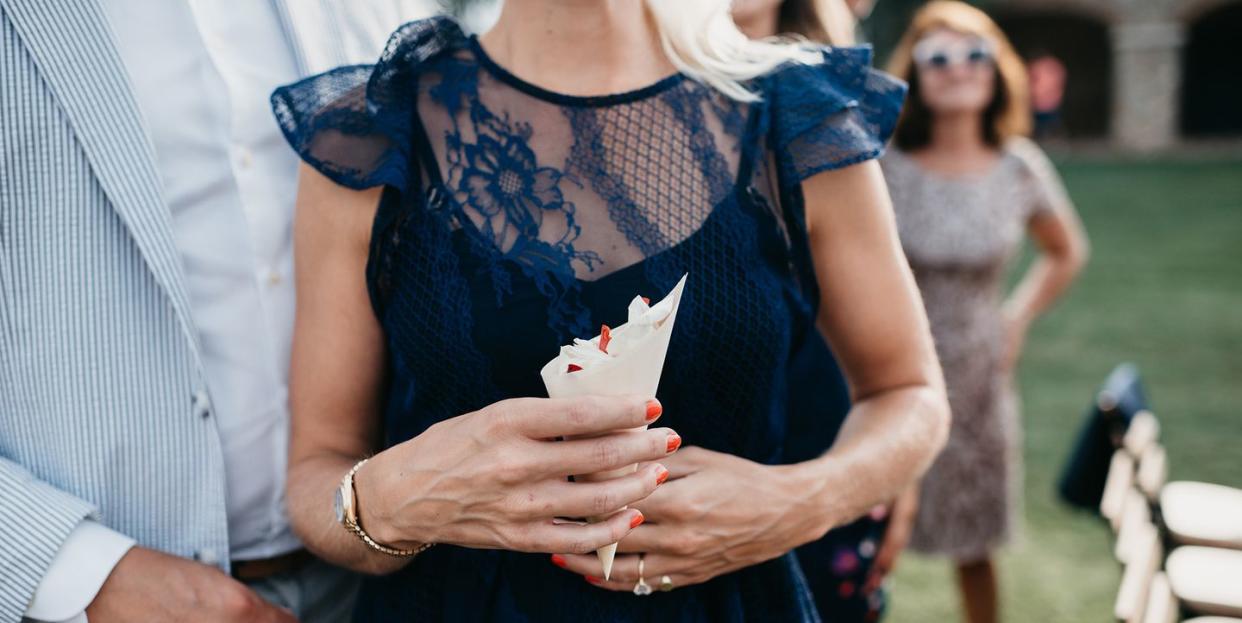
(1009, 113)
(701, 40)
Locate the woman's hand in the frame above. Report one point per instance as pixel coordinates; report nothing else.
(1015, 328)
(718, 514)
(496, 478)
(901, 516)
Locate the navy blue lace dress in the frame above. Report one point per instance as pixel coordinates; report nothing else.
(513, 219)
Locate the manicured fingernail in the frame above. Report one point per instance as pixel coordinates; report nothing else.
(661, 476)
(636, 520)
(654, 409)
(592, 579)
(674, 441)
(573, 367)
(605, 336)
(558, 560)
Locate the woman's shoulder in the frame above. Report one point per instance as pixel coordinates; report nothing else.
(423, 41)
(1028, 157)
(843, 78)
(354, 123)
(1021, 148)
(833, 113)
(895, 156)
(899, 167)
(410, 49)
(846, 69)
(1038, 176)
(421, 45)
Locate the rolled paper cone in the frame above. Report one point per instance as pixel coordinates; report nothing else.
(640, 346)
(607, 553)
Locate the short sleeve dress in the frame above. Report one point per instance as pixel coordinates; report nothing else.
(514, 218)
(959, 235)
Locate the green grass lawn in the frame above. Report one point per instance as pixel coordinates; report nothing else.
(1164, 290)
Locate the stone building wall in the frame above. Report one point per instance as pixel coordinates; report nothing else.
(1147, 37)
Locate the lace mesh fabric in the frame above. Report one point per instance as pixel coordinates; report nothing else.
(515, 219)
(572, 190)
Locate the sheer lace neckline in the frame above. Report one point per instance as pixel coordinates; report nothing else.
(530, 187)
(563, 99)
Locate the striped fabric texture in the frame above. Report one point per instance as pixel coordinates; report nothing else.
(104, 411)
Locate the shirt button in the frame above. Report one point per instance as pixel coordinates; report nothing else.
(207, 556)
(274, 278)
(244, 158)
(201, 404)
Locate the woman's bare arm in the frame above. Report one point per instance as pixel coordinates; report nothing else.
(337, 366)
(1063, 251)
(872, 315)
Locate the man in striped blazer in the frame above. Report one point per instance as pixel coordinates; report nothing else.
(146, 305)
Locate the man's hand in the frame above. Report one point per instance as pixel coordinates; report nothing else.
(147, 585)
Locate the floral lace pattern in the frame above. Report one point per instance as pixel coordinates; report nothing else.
(513, 201)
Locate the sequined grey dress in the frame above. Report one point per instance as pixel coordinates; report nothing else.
(959, 234)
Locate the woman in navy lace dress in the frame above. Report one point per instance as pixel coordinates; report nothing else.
(847, 568)
(470, 204)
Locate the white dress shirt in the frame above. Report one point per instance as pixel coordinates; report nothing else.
(202, 72)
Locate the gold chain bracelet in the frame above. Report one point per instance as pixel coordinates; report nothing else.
(348, 515)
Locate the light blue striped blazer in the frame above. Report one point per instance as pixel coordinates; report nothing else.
(104, 411)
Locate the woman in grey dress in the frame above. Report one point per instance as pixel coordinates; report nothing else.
(967, 187)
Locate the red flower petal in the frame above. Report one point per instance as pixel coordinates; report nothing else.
(605, 336)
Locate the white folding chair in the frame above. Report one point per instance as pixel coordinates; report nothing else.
(1208, 580)
(1135, 515)
(1143, 431)
(1153, 471)
(1136, 578)
(1194, 513)
(1162, 605)
(1116, 488)
(1200, 513)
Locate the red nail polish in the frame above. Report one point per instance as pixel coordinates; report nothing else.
(674, 442)
(636, 521)
(661, 476)
(558, 560)
(592, 579)
(573, 367)
(605, 336)
(654, 409)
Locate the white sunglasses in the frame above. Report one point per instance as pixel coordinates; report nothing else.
(932, 54)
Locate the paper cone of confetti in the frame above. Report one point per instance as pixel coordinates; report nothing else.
(619, 361)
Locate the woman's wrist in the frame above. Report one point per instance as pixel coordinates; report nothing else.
(370, 507)
(811, 483)
(1016, 315)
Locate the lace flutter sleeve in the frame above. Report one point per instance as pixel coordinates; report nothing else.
(833, 114)
(353, 124)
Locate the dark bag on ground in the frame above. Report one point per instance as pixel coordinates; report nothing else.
(1105, 423)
